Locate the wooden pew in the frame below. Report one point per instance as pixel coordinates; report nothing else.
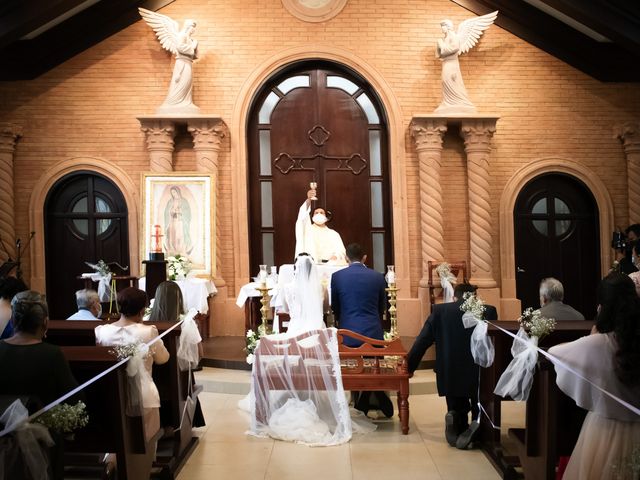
(489, 438)
(109, 428)
(553, 423)
(172, 385)
(361, 368)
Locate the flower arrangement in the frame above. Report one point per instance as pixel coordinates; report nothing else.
(252, 338)
(535, 324)
(473, 305)
(444, 272)
(101, 267)
(65, 418)
(178, 267)
(126, 351)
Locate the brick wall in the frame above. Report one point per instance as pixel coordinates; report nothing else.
(88, 105)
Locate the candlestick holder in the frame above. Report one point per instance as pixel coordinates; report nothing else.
(263, 329)
(392, 293)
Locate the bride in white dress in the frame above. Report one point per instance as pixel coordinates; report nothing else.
(296, 388)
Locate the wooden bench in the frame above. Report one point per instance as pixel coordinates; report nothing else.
(553, 423)
(363, 368)
(109, 428)
(172, 383)
(490, 439)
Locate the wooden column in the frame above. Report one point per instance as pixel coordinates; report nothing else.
(477, 134)
(159, 133)
(207, 139)
(428, 135)
(629, 135)
(9, 134)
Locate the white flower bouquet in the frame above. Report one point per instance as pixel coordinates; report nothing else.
(65, 418)
(473, 305)
(535, 324)
(178, 267)
(252, 338)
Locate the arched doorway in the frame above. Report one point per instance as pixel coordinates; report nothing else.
(318, 121)
(85, 220)
(556, 230)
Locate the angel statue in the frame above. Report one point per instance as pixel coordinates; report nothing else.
(453, 44)
(179, 43)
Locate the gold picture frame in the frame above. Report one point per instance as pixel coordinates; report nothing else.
(183, 204)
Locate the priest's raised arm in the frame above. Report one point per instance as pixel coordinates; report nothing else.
(315, 238)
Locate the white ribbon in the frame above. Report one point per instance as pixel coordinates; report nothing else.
(556, 361)
(137, 376)
(104, 285)
(516, 380)
(32, 439)
(482, 348)
(58, 401)
(446, 280)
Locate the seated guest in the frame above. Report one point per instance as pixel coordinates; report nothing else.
(130, 330)
(456, 372)
(89, 307)
(551, 296)
(610, 358)
(168, 305)
(635, 276)
(9, 286)
(33, 368)
(358, 301)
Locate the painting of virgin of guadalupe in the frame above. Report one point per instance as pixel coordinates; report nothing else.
(181, 205)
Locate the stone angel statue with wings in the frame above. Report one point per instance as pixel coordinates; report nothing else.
(179, 43)
(453, 44)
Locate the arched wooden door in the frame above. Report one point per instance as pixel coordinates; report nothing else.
(556, 235)
(317, 121)
(85, 221)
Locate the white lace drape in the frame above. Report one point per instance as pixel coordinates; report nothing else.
(296, 392)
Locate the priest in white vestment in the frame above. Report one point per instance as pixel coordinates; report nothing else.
(321, 242)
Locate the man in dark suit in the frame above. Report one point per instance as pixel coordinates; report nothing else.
(456, 372)
(358, 301)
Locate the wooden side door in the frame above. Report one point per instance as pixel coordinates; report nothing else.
(556, 235)
(85, 221)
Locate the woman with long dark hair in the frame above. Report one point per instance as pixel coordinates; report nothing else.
(610, 358)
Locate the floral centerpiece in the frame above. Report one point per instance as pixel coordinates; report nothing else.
(535, 324)
(252, 339)
(178, 267)
(103, 277)
(65, 418)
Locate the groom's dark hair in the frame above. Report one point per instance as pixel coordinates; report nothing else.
(354, 252)
(462, 288)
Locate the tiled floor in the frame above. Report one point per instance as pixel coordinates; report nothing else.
(226, 452)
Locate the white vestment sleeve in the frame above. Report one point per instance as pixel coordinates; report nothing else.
(303, 231)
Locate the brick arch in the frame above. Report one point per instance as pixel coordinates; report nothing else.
(36, 210)
(508, 200)
(397, 161)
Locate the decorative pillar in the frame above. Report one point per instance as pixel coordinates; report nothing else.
(9, 134)
(477, 133)
(159, 133)
(629, 135)
(428, 135)
(208, 134)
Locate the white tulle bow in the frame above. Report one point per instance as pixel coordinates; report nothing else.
(31, 439)
(516, 380)
(189, 339)
(482, 348)
(104, 285)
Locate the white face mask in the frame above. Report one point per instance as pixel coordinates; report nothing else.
(319, 219)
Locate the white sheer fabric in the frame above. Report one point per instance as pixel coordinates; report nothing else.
(481, 346)
(297, 393)
(516, 380)
(31, 441)
(302, 299)
(190, 337)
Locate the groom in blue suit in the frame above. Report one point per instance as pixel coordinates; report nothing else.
(358, 301)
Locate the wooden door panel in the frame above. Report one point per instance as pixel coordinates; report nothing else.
(316, 134)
